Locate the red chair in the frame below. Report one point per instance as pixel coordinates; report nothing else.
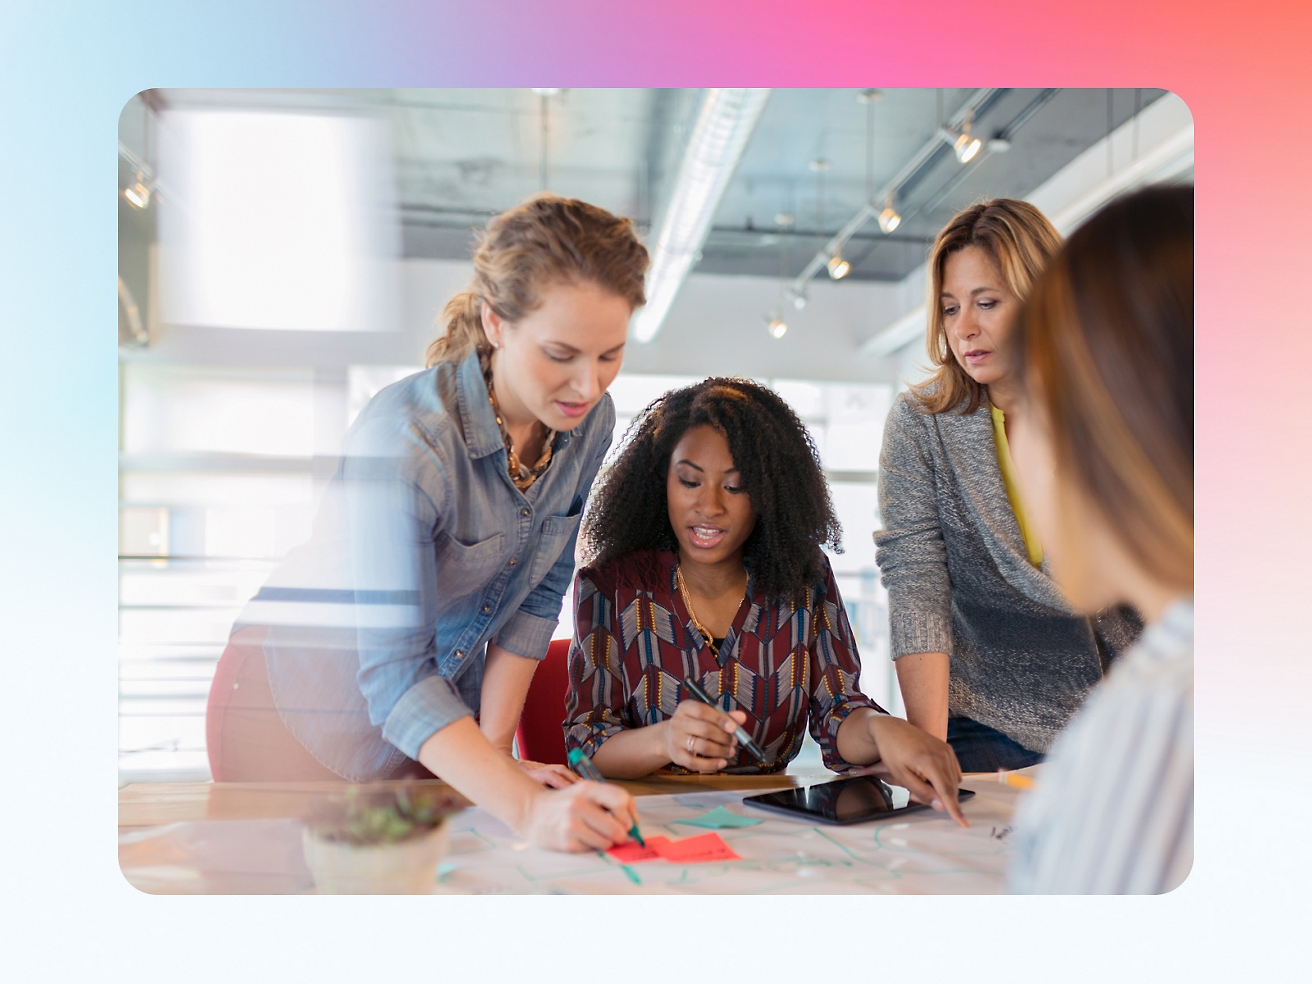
(540, 736)
(244, 736)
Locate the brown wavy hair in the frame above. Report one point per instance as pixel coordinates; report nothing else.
(546, 240)
(1107, 350)
(1020, 240)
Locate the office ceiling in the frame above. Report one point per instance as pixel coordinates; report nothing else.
(462, 155)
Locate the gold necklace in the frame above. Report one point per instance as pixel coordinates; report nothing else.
(692, 613)
(520, 475)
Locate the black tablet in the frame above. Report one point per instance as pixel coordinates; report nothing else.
(844, 801)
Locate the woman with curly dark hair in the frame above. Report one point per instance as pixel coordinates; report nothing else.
(707, 566)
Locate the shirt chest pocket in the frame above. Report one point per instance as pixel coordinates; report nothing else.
(463, 568)
(556, 532)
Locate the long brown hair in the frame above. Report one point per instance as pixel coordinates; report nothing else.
(546, 240)
(1107, 350)
(1020, 240)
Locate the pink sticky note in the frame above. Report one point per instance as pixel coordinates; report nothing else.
(633, 852)
(694, 850)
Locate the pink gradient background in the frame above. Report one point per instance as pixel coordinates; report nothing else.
(1244, 69)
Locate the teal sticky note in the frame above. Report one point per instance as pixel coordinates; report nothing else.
(718, 818)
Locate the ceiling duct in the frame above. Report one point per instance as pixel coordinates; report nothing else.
(719, 137)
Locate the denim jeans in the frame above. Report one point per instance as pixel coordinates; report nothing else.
(980, 748)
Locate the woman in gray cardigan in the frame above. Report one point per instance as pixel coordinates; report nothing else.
(989, 654)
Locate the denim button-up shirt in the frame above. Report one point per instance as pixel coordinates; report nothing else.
(442, 555)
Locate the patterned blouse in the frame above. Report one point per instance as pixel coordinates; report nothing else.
(634, 644)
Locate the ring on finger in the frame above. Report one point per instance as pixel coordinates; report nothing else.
(691, 739)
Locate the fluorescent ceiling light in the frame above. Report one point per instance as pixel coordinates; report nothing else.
(719, 137)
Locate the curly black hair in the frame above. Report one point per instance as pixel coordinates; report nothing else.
(777, 463)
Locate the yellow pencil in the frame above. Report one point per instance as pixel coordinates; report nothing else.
(1015, 779)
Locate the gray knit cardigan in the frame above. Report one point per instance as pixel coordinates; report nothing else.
(960, 582)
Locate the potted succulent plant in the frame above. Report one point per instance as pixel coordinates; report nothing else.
(379, 842)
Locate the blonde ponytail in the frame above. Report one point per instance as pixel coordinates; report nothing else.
(462, 319)
(546, 240)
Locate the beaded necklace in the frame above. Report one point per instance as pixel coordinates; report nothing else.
(520, 474)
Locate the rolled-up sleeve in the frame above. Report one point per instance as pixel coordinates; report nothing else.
(421, 712)
(529, 635)
(835, 668)
(528, 632)
(910, 551)
(594, 705)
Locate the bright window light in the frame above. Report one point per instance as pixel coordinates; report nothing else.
(201, 410)
(279, 221)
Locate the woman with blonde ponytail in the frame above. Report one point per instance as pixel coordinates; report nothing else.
(461, 490)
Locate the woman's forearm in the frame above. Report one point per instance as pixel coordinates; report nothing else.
(854, 741)
(462, 756)
(633, 752)
(923, 679)
(506, 677)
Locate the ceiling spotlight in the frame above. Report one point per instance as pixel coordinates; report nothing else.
(998, 145)
(819, 164)
(798, 299)
(544, 92)
(784, 219)
(869, 95)
(138, 193)
(889, 219)
(838, 267)
(777, 328)
(966, 147)
(964, 144)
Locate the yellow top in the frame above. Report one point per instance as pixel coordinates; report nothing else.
(1032, 545)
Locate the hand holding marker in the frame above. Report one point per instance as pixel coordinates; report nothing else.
(743, 738)
(581, 764)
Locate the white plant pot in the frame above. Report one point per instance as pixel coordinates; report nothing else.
(405, 868)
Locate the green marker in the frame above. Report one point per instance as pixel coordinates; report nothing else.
(581, 764)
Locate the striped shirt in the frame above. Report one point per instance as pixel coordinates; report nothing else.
(1113, 811)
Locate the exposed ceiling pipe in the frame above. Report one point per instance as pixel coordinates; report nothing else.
(872, 208)
(1165, 162)
(719, 137)
(1000, 142)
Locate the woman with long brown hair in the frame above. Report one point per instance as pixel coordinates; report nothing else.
(402, 639)
(1105, 453)
(989, 654)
